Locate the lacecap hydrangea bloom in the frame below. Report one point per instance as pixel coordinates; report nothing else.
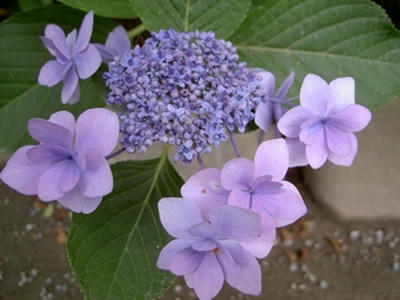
(181, 88)
(74, 57)
(322, 127)
(69, 164)
(209, 252)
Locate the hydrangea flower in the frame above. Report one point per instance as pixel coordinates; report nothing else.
(207, 253)
(259, 185)
(75, 57)
(271, 109)
(323, 126)
(181, 88)
(205, 190)
(117, 44)
(69, 164)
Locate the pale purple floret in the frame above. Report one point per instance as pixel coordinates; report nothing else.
(323, 126)
(259, 185)
(181, 88)
(117, 44)
(271, 109)
(69, 164)
(75, 57)
(205, 189)
(207, 253)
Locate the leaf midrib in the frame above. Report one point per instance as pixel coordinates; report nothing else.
(306, 52)
(135, 225)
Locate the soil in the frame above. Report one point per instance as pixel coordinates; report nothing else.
(319, 257)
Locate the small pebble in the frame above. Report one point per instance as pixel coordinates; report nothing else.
(396, 266)
(178, 288)
(293, 286)
(293, 267)
(302, 287)
(317, 246)
(379, 236)
(323, 284)
(265, 264)
(28, 227)
(354, 235)
(308, 243)
(6, 201)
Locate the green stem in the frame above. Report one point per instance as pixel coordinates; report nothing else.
(136, 31)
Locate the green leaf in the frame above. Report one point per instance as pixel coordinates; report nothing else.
(107, 8)
(22, 54)
(113, 251)
(331, 38)
(220, 16)
(32, 4)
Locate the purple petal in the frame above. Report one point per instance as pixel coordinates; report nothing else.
(205, 189)
(237, 173)
(263, 245)
(204, 230)
(290, 123)
(239, 198)
(189, 280)
(177, 215)
(272, 159)
(118, 41)
(204, 245)
(236, 223)
(54, 50)
(317, 152)
(98, 129)
(88, 61)
(57, 36)
(105, 53)
(96, 179)
(77, 202)
(70, 86)
(285, 207)
(311, 130)
(241, 269)
(22, 174)
(71, 40)
(338, 141)
(208, 278)
(64, 119)
(49, 181)
(286, 85)
(297, 153)
(50, 133)
(69, 178)
(267, 83)
(263, 117)
(346, 160)
(315, 95)
(265, 210)
(170, 250)
(52, 73)
(85, 32)
(343, 91)
(352, 118)
(43, 153)
(185, 261)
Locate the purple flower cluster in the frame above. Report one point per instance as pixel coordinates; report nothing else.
(227, 218)
(182, 88)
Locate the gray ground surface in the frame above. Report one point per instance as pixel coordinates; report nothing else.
(320, 257)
